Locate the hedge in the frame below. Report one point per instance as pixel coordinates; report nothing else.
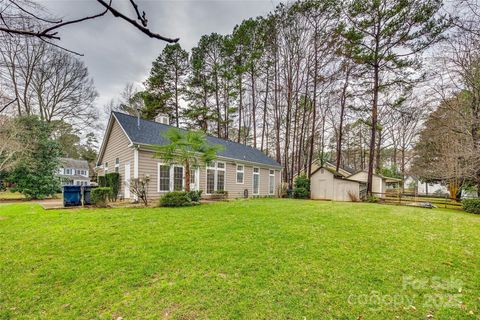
(471, 205)
(176, 199)
(113, 181)
(100, 195)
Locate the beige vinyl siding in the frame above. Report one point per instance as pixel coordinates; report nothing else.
(117, 146)
(149, 166)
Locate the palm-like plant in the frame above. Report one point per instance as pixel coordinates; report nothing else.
(190, 149)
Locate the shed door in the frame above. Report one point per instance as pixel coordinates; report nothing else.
(127, 181)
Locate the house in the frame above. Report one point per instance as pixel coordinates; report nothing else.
(380, 183)
(327, 184)
(128, 148)
(73, 172)
(424, 188)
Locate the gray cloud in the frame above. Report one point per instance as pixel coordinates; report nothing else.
(116, 53)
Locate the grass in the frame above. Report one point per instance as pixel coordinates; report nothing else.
(7, 195)
(256, 259)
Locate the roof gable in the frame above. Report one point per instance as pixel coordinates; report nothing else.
(145, 132)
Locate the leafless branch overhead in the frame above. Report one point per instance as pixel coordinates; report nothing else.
(51, 30)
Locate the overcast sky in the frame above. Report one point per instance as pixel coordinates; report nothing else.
(116, 53)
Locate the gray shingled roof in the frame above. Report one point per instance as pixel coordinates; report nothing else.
(151, 133)
(74, 163)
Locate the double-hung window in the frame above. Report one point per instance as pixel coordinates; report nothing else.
(215, 177)
(256, 181)
(240, 173)
(163, 177)
(170, 178)
(271, 182)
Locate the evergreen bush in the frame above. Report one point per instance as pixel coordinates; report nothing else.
(176, 199)
(100, 195)
(471, 205)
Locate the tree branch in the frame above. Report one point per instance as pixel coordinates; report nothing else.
(143, 29)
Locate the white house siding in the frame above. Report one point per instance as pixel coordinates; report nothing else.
(117, 146)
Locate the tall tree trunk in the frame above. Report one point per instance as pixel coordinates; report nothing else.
(265, 109)
(240, 107)
(314, 117)
(176, 98)
(254, 107)
(343, 100)
(371, 155)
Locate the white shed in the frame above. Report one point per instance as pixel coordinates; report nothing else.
(326, 184)
(379, 182)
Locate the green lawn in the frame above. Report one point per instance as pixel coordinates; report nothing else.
(7, 195)
(257, 259)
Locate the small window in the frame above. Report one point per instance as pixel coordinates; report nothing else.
(240, 173)
(220, 165)
(163, 177)
(192, 176)
(106, 166)
(256, 181)
(68, 171)
(271, 182)
(117, 161)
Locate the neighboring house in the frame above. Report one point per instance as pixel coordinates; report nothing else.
(73, 172)
(419, 187)
(128, 148)
(327, 184)
(380, 183)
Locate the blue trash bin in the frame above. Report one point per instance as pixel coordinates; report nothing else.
(86, 195)
(72, 196)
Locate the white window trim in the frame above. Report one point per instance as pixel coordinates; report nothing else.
(158, 177)
(196, 185)
(238, 171)
(215, 176)
(253, 180)
(171, 175)
(271, 175)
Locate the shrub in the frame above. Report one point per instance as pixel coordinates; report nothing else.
(102, 181)
(301, 188)
(372, 199)
(139, 187)
(301, 193)
(283, 190)
(113, 182)
(99, 196)
(176, 199)
(353, 196)
(195, 195)
(471, 205)
(220, 195)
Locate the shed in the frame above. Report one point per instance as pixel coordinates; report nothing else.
(379, 182)
(326, 184)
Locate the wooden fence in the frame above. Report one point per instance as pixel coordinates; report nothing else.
(416, 200)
